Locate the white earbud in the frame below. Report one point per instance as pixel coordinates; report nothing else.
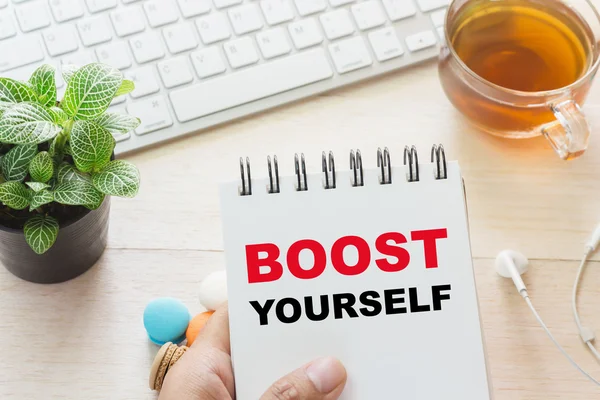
(511, 264)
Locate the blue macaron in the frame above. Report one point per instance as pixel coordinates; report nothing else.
(166, 320)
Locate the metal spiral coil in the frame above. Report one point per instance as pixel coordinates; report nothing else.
(384, 164)
(438, 157)
(411, 158)
(328, 171)
(300, 167)
(357, 169)
(273, 186)
(246, 187)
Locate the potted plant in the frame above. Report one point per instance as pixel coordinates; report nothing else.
(57, 170)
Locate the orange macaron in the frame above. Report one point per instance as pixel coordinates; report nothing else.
(196, 325)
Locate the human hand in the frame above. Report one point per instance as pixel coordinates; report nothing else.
(204, 372)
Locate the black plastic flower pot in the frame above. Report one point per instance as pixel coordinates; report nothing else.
(77, 248)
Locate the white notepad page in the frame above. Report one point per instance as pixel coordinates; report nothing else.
(426, 355)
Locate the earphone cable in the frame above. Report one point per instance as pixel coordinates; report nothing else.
(541, 322)
(587, 335)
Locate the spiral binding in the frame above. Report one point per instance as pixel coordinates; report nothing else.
(302, 182)
(384, 164)
(357, 169)
(328, 171)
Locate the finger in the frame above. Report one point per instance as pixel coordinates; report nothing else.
(322, 379)
(216, 331)
(199, 374)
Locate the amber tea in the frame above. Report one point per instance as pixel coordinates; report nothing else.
(523, 45)
(530, 46)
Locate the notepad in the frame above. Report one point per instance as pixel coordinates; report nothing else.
(369, 265)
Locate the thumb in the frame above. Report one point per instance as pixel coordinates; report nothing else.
(322, 379)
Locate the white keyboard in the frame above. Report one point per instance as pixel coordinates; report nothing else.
(199, 63)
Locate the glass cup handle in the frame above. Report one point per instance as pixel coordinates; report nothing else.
(569, 134)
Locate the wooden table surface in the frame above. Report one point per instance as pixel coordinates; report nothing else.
(84, 339)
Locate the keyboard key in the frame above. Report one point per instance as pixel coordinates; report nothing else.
(147, 47)
(336, 3)
(100, 5)
(368, 14)
(213, 28)
(21, 74)
(385, 44)
(180, 37)
(438, 18)
(277, 11)
(160, 12)
(3, 3)
(94, 30)
(307, 7)
(145, 81)
(7, 25)
(226, 3)
(80, 59)
(273, 43)
(245, 18)
(429, 5)
(129, 1)
(128, 21)
(32, 16)
(20, 51)
(250, 84)
(65, 10)
(175, 72)
(208, 62)
(240, 52)
(192, 8)
(115, 54)
(305, 33)
(337, 24)
(60, 40)
(421, 41)
(350, 54)
(153, 114)
(120, 137)
(118, 100)
(441, 33)
(399, 9)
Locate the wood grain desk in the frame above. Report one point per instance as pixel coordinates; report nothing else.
(85, 339)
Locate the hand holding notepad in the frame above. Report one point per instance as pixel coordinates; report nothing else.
(370, 266)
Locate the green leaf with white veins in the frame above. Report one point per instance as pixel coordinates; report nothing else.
(40, 198)
(37, 186)
(90, 91)
(67, 71)
(96, 205)
(15, 163)
(117, 123)
(58, 114)
(118, 178)
(27, 123)
(126, 87)
(14, 195)
(43, 83)
(41, 232)
(77, 194)
(12, 92)
(91, 146)
(68, 173)
(41, 168)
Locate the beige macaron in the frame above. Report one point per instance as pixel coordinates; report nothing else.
(166, 357)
